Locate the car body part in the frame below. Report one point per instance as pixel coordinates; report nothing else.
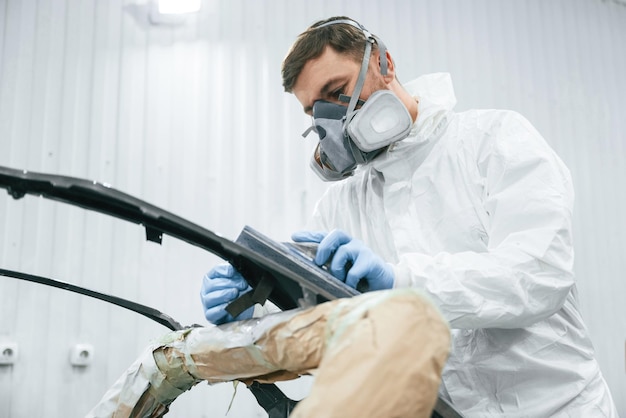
(366, 363)
(290, 279)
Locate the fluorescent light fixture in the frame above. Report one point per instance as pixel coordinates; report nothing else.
(176, 7)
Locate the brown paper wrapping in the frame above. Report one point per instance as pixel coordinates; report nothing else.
(379, 354)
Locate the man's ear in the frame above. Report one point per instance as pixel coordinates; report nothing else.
(391, 69)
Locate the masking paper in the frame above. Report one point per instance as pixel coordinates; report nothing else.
(373, 355)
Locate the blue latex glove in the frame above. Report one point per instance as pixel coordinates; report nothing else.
(220, 286)
(345, 250)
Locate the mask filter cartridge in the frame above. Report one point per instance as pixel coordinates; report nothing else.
(382, 121)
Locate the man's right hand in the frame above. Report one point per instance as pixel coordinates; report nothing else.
(220, 286)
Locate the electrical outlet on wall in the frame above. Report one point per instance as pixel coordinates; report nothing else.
(81, 355)
(8, 353)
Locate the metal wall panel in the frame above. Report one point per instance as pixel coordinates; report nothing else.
(193, 118)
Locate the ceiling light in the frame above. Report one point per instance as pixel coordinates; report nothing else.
(168, 7)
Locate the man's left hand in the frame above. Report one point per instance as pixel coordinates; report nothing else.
(352, 260)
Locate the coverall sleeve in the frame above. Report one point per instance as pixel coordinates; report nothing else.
(526, 205)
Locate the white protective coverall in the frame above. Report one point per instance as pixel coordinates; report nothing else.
(476, 209)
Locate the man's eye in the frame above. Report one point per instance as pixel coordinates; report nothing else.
(338, 92)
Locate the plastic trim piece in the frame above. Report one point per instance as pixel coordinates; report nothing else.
(102, 198)
(144, 310)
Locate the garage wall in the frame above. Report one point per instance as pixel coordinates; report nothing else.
(192, 118)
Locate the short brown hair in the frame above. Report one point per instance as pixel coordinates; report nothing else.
(310, 44)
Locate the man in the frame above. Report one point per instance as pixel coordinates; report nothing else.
(473, 208)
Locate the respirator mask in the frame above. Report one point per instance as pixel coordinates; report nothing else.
(349, 136)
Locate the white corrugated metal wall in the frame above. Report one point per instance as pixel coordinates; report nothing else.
(192, 118)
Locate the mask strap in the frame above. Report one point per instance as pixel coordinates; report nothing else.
(359, 83)
(309, 129)
(382, 49)
(370, 39)
(346, 99)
